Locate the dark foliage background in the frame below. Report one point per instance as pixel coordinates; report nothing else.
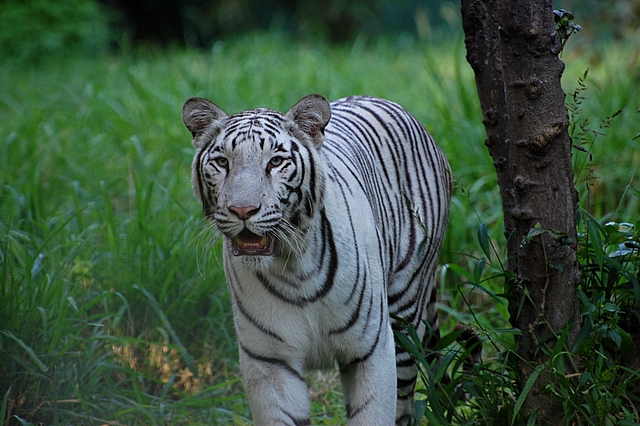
(199, 22)
(33, 29)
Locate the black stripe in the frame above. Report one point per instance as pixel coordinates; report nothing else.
(404, 383)
(252, 320)
(297, 421)
(352, 412)
(409, 362)
(274, 361)
(356, 312)
(373, 346)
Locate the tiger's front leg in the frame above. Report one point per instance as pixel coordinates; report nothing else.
(369, 385)
(276, 390)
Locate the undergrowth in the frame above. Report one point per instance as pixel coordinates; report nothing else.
(596, 376)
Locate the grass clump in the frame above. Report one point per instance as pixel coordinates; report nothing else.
(105, 316)
(595, 377)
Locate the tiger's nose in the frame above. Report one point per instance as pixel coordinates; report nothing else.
(244, 213)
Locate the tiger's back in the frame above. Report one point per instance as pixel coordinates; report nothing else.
(407, 182)
(341, 231)
(404, 175)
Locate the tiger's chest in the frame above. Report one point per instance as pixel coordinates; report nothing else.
(330, 309)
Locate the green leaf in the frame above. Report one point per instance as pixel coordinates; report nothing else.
(483, 239)
(514, 331)
(477, 271)
(446, 340)
(559, 345)
(636, 288)
(583, 297)
(585, 378)
(405, 342)
(582, 336)
(614, 337)
(435, 416)
(535, 231)
(590, 218)
(420, 407)
(557, 265)
(27, 349)
(525, 391)
(421, 246)
(488, 292)
(3, 407)
(595, 240)
(22, 421)
(463, 272)
(413, 333)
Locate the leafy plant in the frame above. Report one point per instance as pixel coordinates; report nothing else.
(565, 25)
(610, 301)
(596, 375)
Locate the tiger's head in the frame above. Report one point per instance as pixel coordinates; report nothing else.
(258, 173)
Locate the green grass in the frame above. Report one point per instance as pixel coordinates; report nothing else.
(111, 289)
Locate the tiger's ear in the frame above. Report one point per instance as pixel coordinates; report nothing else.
(198, 113)
(312, 114)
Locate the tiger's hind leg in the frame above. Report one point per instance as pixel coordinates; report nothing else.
(407, 372)
(427, 328)
(407, 375)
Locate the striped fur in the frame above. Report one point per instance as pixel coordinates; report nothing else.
(333, 215)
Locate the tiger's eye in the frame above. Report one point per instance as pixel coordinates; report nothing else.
(275, 161)
(222, 162)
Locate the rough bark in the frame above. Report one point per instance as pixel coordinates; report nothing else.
(513, 49)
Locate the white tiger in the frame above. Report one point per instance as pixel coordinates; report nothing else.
(333, 215)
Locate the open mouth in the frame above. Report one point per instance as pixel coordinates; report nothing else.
(249, 244)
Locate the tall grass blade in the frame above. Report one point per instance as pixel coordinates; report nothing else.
(3, 408)
(525, 392)
(595, 241)
(22, 421)
(477, 271)
(27, 349)
(483, 240)
(420, 409)
(410, 347)
(167, 325)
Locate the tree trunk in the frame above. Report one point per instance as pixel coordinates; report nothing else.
(513, 49)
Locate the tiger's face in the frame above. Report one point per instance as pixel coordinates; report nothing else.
(251, 173)
(257, 173)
